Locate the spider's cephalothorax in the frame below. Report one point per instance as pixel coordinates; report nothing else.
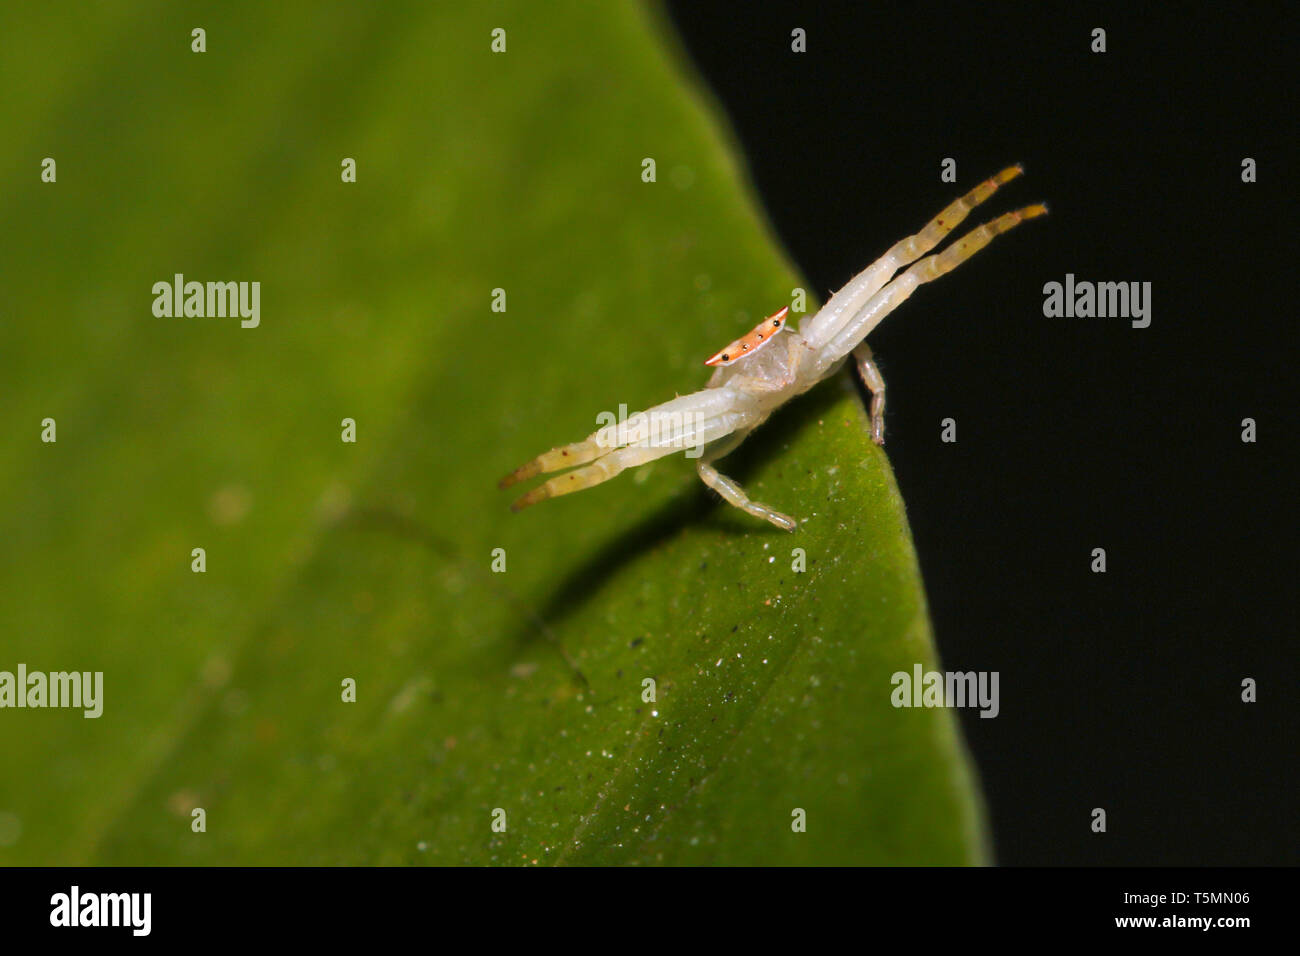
(752, 341)
(761, 370)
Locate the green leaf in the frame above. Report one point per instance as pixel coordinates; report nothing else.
(477, 691)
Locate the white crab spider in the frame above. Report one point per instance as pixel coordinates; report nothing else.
(763, 370)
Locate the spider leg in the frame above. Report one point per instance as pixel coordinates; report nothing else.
(565, 456)
(684, 436)
(823, 326)
(729, 489)
(663, 421)
(601, 470)
(875, 383)
(931, 267)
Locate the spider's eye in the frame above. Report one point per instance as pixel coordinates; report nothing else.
(776, 323)
(760, 336)
(745, 347)
(726, 358)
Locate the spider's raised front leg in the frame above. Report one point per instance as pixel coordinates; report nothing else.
(822, 327)
(875, 383)
(931, 267)
(729, 489)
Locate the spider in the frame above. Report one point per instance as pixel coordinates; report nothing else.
(772, 364)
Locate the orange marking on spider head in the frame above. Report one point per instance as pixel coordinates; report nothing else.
(752, 341)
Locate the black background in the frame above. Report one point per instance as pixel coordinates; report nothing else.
(1119, 690)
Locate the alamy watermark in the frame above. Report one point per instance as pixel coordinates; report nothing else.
(923, 688)
(130, 910)
(82, 690)
(1084, 299)
(653, 428)
(208, 300)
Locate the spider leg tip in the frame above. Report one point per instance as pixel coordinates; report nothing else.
(540, 493)
(522, 473)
